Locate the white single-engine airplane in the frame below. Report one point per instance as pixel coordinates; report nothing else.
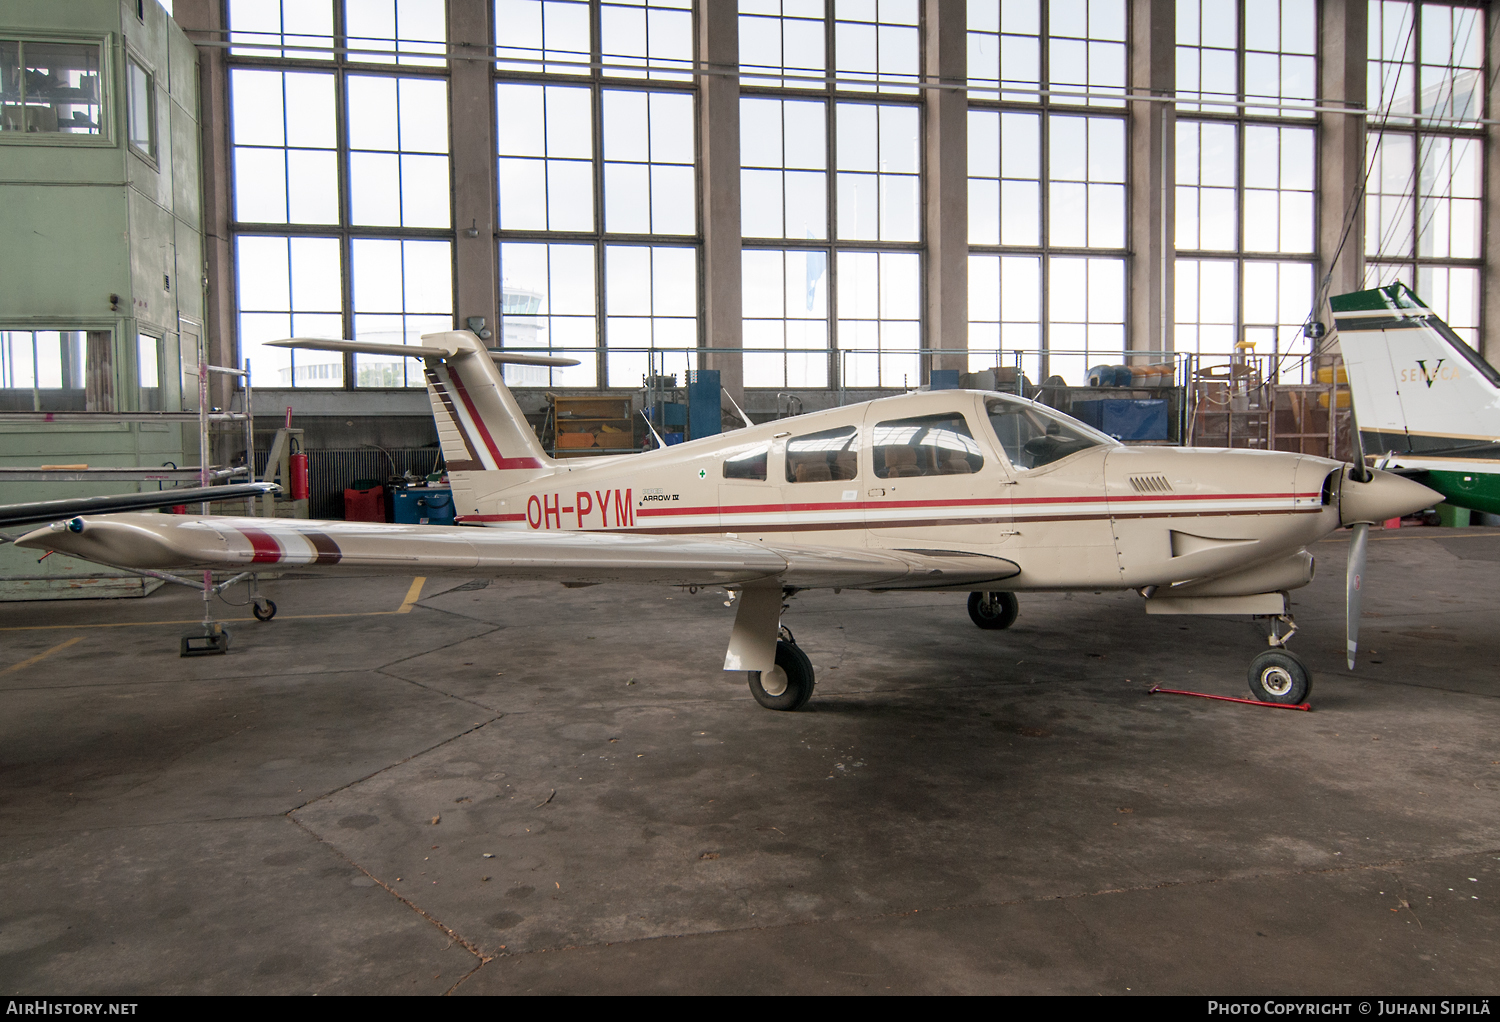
(953, 491)
(1428, 405)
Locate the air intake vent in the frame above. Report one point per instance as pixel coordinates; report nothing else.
(1150, 484)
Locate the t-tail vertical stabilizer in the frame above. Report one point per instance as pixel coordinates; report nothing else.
(1426, 401)
(487, 443)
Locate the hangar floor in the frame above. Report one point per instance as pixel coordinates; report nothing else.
(524, 788)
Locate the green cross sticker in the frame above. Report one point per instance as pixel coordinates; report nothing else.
(703, 473)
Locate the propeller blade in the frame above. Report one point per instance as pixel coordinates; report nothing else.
(1358, 545)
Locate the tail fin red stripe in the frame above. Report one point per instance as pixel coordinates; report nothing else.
(484, 432)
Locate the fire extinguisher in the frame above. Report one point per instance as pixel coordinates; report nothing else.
(298, 470)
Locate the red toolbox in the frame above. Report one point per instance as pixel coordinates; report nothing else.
(365, 505)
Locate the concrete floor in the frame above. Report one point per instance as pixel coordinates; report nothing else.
(956, 810)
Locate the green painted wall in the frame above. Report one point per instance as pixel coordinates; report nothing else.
(81, 222)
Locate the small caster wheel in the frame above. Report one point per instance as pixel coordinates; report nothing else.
(265, 614)
(993, 610)
(789, 684)
(1277, 676)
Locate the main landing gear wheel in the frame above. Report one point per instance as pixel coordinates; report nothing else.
(1277, 676)
(788, 685)
(265, 614)
(993, 610)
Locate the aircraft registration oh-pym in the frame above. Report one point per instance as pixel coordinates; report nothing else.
(948, 491)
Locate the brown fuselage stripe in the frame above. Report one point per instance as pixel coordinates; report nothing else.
(925, 523)
(328, 550)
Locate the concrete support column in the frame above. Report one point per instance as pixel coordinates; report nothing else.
(1341, 149)
(946, 169)
(719, 135)
(1489, 282)
(1153, 147)
(203, 21)
(470, 102)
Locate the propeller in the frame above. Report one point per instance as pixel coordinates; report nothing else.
(1358, 546)
(1358, 542)
(1367, 497)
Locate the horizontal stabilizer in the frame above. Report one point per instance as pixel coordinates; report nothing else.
(427, 349)
(367, 347)
(40, 511)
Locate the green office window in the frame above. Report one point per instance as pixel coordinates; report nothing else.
(49, 88)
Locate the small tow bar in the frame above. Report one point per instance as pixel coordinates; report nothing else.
(1157, 689)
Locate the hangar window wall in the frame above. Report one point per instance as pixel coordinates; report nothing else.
(1423, 212)
(597, 187)
(1047, 181)
(342, 181)
(1245, 179)
(341, 184)
(830, 192)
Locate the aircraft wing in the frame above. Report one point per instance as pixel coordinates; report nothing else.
(40, 511)
(161, 542)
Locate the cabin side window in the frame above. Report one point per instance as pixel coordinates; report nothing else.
(822, 457)
(929, 445)
(749, 464)
(1033, 436)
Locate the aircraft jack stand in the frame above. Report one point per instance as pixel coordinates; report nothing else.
(214, 641)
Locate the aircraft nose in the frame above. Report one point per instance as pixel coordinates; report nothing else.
(1384, 496)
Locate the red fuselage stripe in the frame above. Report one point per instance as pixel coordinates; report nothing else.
(880, 505)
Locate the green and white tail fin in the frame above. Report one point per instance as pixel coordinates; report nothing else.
(1418, 389)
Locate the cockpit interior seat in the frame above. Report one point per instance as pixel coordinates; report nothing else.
(901, 462)
(813, 472)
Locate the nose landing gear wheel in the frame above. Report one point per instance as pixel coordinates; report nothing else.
(266, 613)
(788, 685)
(993, 610)
(1277, 676)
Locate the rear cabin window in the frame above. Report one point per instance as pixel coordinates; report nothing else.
(747, 464)
(930, 445)
(822, 457)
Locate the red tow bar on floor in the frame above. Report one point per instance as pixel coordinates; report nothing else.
(1155, 689)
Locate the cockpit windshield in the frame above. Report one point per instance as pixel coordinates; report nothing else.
(1034, 435)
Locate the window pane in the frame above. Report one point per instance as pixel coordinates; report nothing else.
(388, 26)
(547, 305)
(289, 287)
(264, 26)
(285, 169)
(402, 289)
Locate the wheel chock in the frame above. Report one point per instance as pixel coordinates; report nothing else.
(1157, 689)
(210, 642)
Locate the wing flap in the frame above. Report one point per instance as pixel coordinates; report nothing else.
(859, 568)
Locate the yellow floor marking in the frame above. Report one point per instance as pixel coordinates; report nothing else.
(412, 595)
(42, 656)
(192, 621)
